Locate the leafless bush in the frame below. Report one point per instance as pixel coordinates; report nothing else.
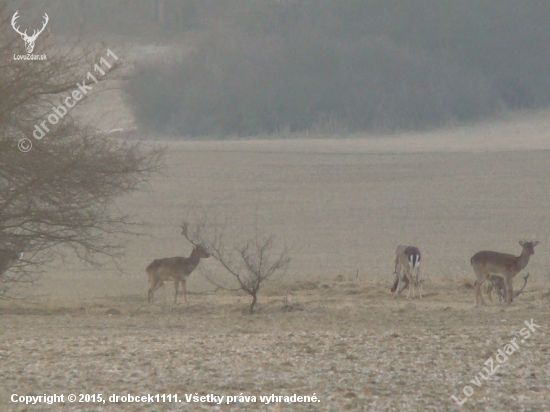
(251, 262)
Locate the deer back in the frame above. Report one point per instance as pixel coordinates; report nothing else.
(170, 268)
(496, 262)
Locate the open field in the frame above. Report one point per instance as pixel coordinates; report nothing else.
(341, 207)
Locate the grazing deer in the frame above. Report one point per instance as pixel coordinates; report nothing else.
(8, 257)
(407, 260)
(176, 268)
(487, 263)
(497, 282)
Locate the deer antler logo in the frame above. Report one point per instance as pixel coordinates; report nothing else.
(29, 40)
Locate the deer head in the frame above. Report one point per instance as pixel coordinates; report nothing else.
(529, 246)
(200, 249)
(29, 40)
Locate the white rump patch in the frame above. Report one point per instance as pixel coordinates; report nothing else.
(412, 259)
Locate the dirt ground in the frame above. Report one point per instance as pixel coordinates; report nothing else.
(330, 328)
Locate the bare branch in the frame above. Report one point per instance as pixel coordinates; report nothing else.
(250, 264)
(61, 195)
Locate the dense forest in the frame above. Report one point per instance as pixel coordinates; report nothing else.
(271, 66)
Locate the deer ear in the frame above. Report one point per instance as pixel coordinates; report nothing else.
(522, 243)
(535, 243)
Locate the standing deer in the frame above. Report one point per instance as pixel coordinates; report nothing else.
(407, 260)
(487, 263)
(176, 268)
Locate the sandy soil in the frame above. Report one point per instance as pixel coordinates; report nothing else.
(341, 207)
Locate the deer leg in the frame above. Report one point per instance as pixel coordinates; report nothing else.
(176, 285)
(404, 280)
(479, 295)
(400, 282)
(501, 289)
(418, 280)
(150, 296)
(184, 287)
(405, 283)
(411, 282)
(489, 290)
(394, 287)
(155, 284)
(482, 277)
(508, 284)
(420, 290)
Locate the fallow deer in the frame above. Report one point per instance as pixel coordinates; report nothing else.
(507, 266)
(407, 260)
(176, 268)
(497, 283)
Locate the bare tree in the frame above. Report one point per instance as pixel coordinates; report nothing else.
(61, 193)
(250, 263)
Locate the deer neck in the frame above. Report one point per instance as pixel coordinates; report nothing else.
(523, 259)
(195, 258)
